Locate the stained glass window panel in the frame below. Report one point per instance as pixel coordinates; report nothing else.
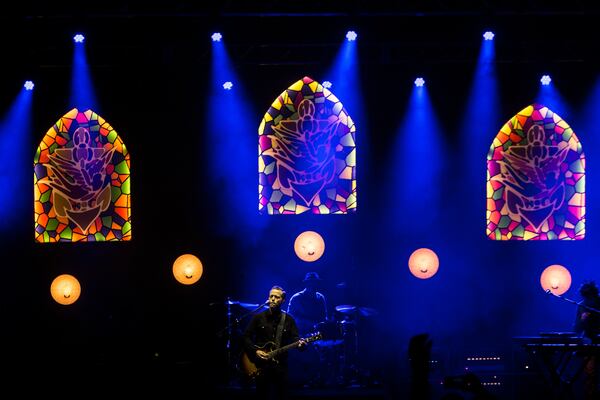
(306, 153)
(535, 179)
(82, 187)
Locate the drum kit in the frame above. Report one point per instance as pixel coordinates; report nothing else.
(339, 346)
(343, 329)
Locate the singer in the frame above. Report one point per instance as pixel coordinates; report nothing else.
(267, 331)
(587, 324)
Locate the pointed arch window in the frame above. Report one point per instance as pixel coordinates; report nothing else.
(536, 179)
(81, 182)
(307, 153)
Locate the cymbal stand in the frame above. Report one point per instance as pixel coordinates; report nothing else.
(349, 351)
(229, 330)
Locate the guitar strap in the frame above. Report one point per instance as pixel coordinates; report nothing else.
(279, 330)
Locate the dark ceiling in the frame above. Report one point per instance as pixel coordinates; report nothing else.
(358, 8)
(304, 33)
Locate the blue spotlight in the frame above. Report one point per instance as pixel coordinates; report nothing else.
(489, 35)
(15, 167)
(327, 84)
(483, 105)
(549, 95)
(79, 38)
(345, 73)
(216, 37)
(28, 85)
(351, 36)
(82, 88)
(546, 80)
(232, 155)
(419, 82)
(417, 162)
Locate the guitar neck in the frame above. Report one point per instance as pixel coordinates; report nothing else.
(307, 340)
(287, 347)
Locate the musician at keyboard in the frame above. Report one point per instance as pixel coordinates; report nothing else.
(587, 325)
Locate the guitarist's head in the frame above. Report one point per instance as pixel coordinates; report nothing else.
(276, 298)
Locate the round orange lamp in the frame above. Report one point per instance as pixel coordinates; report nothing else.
(187, 269)
(423, 263)
(556, 279)
(65, 289)
(309, 246)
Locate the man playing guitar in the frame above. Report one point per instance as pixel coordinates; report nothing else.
(274, 328)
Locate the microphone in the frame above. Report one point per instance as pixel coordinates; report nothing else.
(548, 291)
(261, 305)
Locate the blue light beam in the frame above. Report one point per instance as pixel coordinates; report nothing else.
(231, 148)
(16, 160)
(83, 95)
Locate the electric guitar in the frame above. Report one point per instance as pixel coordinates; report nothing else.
(253, 369)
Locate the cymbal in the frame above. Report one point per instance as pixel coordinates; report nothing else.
(250, 306)
(345, 308)
(367, 311)
(328, 343)
(247, 306)
(362, 311)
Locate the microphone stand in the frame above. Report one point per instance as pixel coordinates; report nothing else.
(548, 291)
(238, 320)
(592, 309)
(230, 324)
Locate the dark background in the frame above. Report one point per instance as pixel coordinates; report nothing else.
(150, 66)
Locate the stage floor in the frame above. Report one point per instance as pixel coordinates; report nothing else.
(355, 393)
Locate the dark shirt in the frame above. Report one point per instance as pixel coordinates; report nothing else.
(309, 308)
(262, 329)
(590, 326)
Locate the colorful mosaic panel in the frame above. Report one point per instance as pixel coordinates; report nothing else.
(81, 182)
(306, 153)
(536, 179)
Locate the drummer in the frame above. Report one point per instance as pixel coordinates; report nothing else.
(308, 307)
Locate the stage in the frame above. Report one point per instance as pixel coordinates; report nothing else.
(424, 172)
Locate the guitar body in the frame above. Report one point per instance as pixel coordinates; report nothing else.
(252, 365)
(248, 367)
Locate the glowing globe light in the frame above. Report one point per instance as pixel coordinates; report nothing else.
(79, 38)
(556, 279)
(423, 263)
(309, 246)
(546, 80)
(187, 269)
(488, 35)
(327, 84)
(216, 37)
(228, 85)
(351, 36)
(28, 85)
(419, 82)
(65, 289)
